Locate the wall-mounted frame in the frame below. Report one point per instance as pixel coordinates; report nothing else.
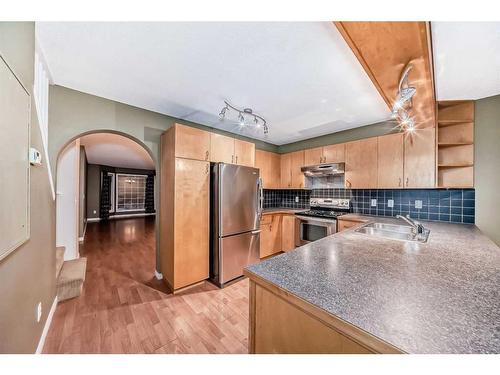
(15, 116)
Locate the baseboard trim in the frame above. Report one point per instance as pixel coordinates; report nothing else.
(46, 327)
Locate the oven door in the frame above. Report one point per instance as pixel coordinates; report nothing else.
(310, 229)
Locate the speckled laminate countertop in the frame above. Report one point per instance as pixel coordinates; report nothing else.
(438, 297)
(270, 211)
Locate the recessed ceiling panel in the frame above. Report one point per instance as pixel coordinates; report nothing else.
(466, 59)
(302, 77)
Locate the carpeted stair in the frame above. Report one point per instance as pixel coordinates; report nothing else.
(70, 275)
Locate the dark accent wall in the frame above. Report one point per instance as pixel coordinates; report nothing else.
(487, 166)
(94, 188)
(448, 205)
(27, 275)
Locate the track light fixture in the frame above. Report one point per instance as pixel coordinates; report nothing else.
(258, 121)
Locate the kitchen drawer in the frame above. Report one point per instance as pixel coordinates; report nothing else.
(346, 224)
(266, 219)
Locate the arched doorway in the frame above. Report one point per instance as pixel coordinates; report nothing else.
(106, 183)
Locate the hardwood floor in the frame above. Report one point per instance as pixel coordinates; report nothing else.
(123, 309)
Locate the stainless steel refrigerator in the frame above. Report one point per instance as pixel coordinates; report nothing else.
(236, 209)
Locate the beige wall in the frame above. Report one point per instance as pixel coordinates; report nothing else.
(27, 275)
(487, 166)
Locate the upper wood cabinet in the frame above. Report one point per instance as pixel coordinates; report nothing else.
(361, 164)
(191, 143)
(286, 171)
(225, 149)
(244, 153)
(221, 148)
(334, 153)
(296, 163)
(420, 159)
(326, 154)
(270, 168)
(313, 156)
(390, 161)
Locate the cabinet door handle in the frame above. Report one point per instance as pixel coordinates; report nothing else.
(206, 168)
(206, 155)
(236, 159)
(348, 183)
(232, 159)
(407, 181)
(399, 182)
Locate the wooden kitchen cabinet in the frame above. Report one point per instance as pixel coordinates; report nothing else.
(343, 224)
(313, 156)
(221, 148)
(270, 168)
(192, 184)
(286, 171)
(184, 200)
(334, 153)
(270, 235)
(420, 159)
(191, 143)
(326, 154)
(288, 232)
(390, 161)
(296, 163)
(244, 153)
(361, 164)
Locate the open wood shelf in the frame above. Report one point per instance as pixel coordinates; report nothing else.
(455, 144)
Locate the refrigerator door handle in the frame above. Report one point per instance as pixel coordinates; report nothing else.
(260, 198)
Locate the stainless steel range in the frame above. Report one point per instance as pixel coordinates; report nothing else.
(321, 220)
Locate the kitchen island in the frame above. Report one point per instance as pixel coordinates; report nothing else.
(353, 293)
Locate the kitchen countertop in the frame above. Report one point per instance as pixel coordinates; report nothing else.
(439, 297)
(281, 210)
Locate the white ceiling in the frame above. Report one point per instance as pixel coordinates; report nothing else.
(466, 59)
(116, 151)
(302, 77)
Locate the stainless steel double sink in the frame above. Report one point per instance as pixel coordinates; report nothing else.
(393, 232)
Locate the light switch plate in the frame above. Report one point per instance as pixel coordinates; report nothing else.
(390, 203)
(418, 204)
(374, 203)
(296, 199)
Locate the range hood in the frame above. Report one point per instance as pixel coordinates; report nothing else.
(323, 170)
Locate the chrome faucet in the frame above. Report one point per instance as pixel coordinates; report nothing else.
(416, 228)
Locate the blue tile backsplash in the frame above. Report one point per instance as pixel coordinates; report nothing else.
(450, 205)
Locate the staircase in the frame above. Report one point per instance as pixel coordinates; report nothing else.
(70, 275)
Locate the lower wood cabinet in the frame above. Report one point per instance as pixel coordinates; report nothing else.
(343, 224)
(270, 235)
(288, 232)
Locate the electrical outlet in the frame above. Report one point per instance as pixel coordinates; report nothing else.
(374, 203)
(95, 212)
(390, 203)
(418, 204)
(38, 311)
(296, 199)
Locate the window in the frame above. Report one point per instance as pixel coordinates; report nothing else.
(130, 192)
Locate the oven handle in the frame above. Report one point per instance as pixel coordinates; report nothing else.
(310, 219)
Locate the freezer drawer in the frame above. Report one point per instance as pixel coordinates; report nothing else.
(235, 253)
